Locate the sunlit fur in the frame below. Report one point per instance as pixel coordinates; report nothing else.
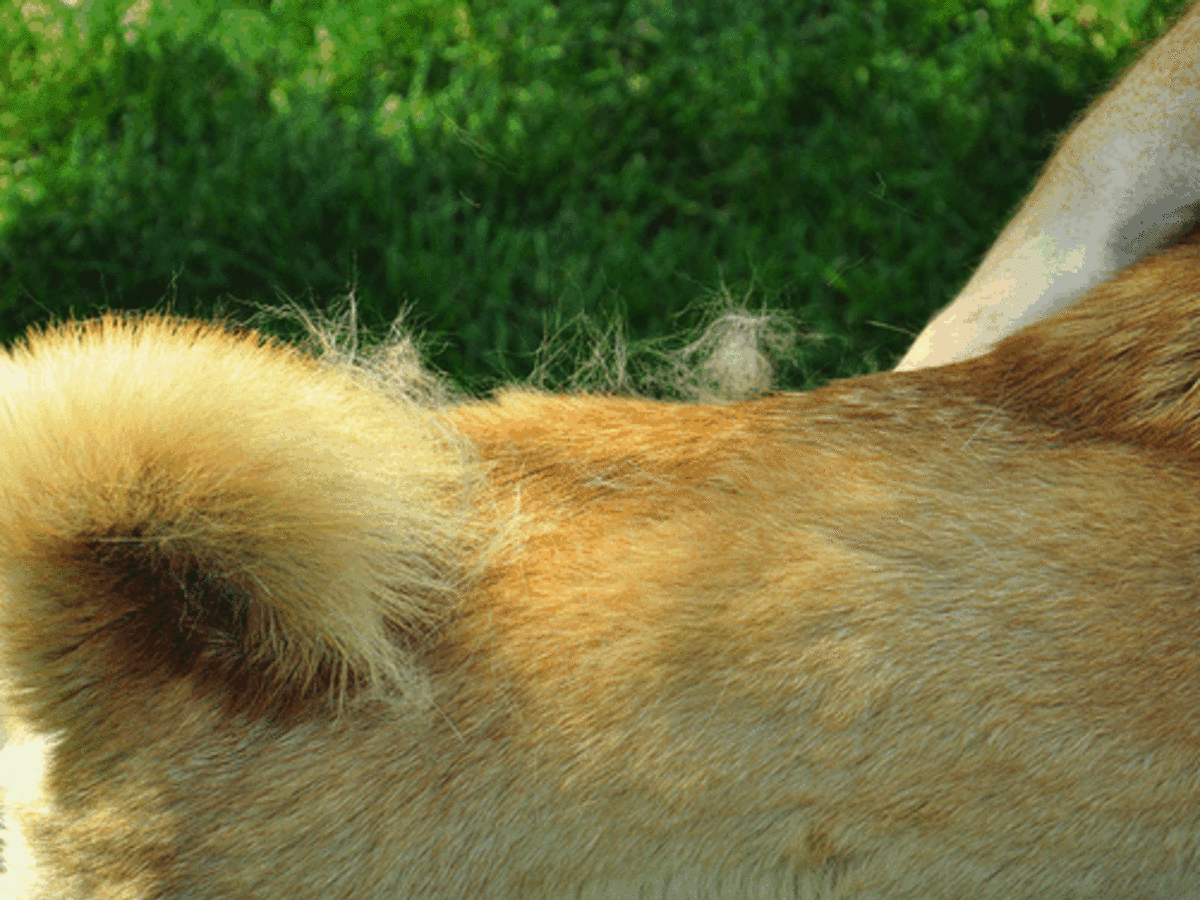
(1124, 182)
(271, 630)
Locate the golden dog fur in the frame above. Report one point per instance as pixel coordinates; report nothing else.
(275, 627)
(270, 632)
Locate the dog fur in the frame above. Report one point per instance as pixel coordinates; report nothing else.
(273, 630)
(1123, 183)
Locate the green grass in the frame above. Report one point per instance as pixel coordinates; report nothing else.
(498, 166)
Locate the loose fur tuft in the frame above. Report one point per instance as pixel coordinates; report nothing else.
(736, 356)
(177, 497)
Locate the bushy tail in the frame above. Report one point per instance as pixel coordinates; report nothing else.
(180, 500)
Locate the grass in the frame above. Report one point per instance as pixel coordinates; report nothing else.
(497, 167)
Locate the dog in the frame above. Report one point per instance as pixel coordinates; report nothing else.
(1123, 183)
(275, 626)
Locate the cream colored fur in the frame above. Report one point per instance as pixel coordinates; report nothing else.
(1124, 183)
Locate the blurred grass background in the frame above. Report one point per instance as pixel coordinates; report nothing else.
(499, 166)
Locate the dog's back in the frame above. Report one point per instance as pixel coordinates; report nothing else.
(267, 634)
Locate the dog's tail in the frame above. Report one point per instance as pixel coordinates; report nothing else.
(180, 500)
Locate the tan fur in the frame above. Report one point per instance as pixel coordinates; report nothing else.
(1123, 183)
(274, 628)
(266, 634)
